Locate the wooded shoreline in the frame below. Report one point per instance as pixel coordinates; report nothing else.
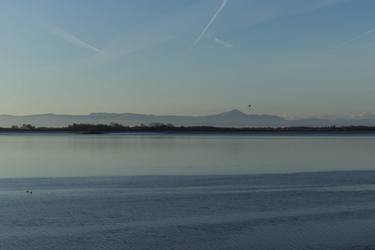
(170, 129)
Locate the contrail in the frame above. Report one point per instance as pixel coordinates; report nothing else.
(212, 20)
(72, 39)
(223, 43)
(367, 33)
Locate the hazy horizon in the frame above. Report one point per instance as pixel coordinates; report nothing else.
(291, 58)
(249, 112)
(187, 124)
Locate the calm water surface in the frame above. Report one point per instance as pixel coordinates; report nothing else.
(183, 203)
(107, 155)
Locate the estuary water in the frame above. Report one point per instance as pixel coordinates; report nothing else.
(113, 155)
(187, 192)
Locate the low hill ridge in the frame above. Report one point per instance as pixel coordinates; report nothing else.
(232, 118)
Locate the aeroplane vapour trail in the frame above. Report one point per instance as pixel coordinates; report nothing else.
(223, 43)
(364, 34)
(72, 39)
(212, 20)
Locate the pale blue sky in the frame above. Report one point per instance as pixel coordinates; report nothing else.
(287, 57)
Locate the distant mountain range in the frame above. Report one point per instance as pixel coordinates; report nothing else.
(234, 118)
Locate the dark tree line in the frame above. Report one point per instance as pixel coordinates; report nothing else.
(170, 128)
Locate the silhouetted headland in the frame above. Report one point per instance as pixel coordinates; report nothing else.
(171, 129)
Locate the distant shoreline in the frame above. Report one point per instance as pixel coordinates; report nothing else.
(170, 129)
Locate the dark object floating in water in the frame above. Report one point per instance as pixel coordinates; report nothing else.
(29, 192)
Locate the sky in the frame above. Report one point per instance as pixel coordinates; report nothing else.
(296, 58)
